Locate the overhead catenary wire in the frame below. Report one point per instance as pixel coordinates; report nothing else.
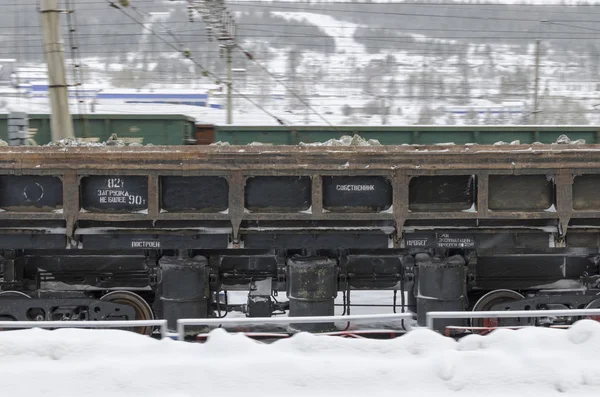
(278, 119)
(428, 68)
(438, 4)
(317, 48)
(325, 6)
(302, 100)
(430, 39)
(384, 45)
(312, 26)
(203, 69)
(247, 54)
(395, 13)
(405, 33)
(380, 39)
(77, 69)
(391, 13)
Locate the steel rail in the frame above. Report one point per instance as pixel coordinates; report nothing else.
(162, 324)
(182, 323)
(431, 316)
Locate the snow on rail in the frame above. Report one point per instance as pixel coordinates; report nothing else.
(431, 316)
(162, 324)
(182, 323)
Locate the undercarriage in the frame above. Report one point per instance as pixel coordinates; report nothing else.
(141, 233)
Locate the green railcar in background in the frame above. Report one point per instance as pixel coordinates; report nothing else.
(158, 129)
(398, 135)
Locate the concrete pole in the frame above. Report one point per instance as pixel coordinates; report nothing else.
(306, 113)
(61, 123)
(229, 85)
(537, 82)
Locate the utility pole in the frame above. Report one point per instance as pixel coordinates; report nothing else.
(306, 109)
(61, 123)
(537, 82)
(229, 85)
(220, 25)
(384, 111)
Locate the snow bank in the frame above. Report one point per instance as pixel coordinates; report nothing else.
(561, 140)
(527, 362)
(346, 140)
(78, 142)
(565, 140)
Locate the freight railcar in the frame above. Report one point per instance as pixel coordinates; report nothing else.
(164, 129)
(96, 233)
(395, 135)
(157, 129)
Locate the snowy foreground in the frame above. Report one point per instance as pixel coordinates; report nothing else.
(528, 362)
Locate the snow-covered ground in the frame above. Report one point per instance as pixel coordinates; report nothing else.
(342, 32)
(528, 362)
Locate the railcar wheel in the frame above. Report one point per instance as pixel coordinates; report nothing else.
(489, 300)
(11, 295)
(14, 294)
(141, 307)
(595, 304)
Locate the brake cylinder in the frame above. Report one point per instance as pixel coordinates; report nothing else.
(311, 290)
(441, 286)
(183, 289)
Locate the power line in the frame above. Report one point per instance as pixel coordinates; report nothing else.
(372, 37)
(205, 71)
(437, 4)
(449, 48)
(386, 13)
(250, 57)
(389, 13)
(445, 4)
(426, 40)
(402, 39)
(440, 59)
(77, 72)
(316, 6)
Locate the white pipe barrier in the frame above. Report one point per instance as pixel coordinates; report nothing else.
(182, 323)
(431, 316)
(88, 324)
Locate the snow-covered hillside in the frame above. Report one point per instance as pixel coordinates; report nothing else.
(353, 63)
(528, 362)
